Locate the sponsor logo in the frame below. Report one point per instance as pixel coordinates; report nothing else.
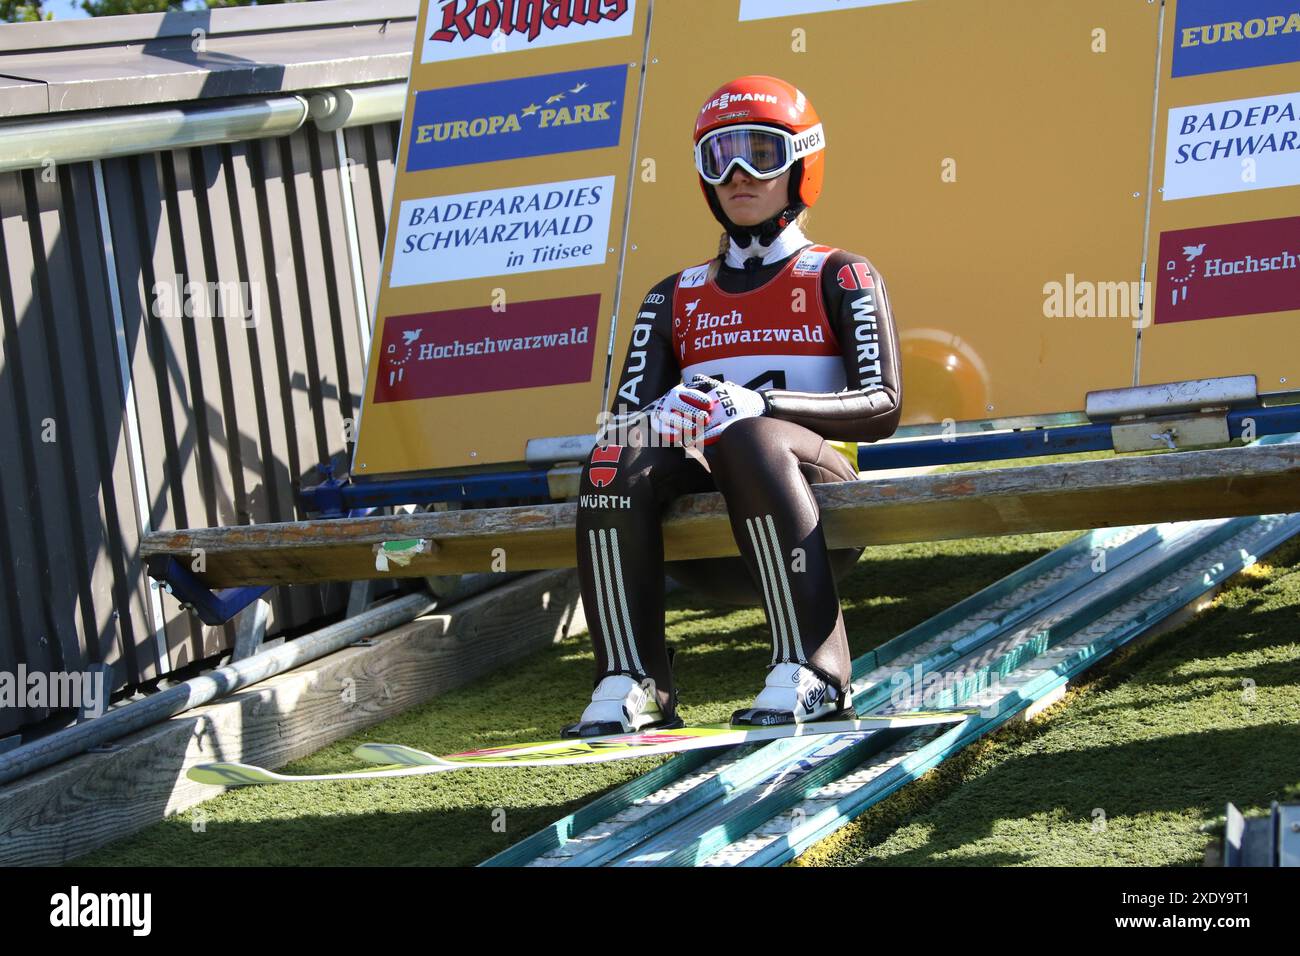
(809, 264)
(466, 28)
(867, 339)
(533, 116)
(791, 336)
(1246, 268)
(532, 344)
(629, 391)
(855, 276)
(722, 395)
(605, 502)
(813, 697)
(707, 320)
(694, 277)
(767, 9)
(1233, 146)
(810, 141)
(506, 231)
(604, 464)
(727, 99)
(1214, 36)
(655, 298)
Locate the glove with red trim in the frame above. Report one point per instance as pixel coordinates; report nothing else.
(731, 403)
(681, 413)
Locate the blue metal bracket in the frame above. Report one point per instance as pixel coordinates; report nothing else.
(334, 498)
(1058, 440)
(1262, 841)
(184, 584)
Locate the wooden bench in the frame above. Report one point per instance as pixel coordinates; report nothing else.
(1176, 486)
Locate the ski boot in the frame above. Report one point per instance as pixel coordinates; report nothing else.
(795, 694)
(620, 704)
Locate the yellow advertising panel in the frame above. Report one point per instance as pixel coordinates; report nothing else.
(994, 160)
(978, 153)
(503, 248)
(1224, 252)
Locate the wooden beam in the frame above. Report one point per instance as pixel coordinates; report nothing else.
(1175, 486)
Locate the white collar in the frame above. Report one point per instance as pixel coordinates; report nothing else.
(790, 241)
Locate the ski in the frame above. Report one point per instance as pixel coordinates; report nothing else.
(408, 762)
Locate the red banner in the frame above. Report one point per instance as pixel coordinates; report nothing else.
(468, 351)
(1244, 268)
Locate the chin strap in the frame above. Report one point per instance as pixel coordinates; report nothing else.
(768, 231)
(757, 254)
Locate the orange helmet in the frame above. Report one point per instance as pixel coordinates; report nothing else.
(766, 126)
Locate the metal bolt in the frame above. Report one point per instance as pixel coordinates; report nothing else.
(1282, 380)
(634, 247)
(473, 454)
(655, 60)
(1137, 195)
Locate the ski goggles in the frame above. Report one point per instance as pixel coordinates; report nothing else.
(764, 152)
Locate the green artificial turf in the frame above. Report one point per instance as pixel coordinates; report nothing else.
(1133, 767)
(449, 819)
(1159, 750)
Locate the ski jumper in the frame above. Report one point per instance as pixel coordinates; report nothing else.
(814, 335)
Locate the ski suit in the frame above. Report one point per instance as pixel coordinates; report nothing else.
(814, 334)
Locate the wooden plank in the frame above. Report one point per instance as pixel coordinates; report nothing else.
(1179, 486)
(74, 807)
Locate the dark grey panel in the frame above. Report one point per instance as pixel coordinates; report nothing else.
(24, 637)
(234, 416)
(29, 216)
(109, 62)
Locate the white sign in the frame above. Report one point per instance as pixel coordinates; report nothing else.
(457, 29)
(503, 231)
(767, 9)
(1232, 147)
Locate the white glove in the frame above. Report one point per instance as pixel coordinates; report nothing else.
(731, 403)
(680, 414)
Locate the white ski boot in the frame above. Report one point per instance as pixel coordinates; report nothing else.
(794, 694)
(620, 704)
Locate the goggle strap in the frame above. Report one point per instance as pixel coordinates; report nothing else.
(809, 141)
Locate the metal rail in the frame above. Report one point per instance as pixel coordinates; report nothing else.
(137, 715)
